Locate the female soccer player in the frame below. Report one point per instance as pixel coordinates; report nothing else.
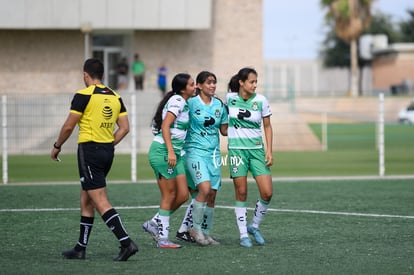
(165, 156)
(202, 147)
(247, 152)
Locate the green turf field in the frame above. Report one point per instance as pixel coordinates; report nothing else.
(351, 152)
(313, 227)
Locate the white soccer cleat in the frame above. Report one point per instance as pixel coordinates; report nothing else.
(210, 240)
(151, 228)
(198, 236)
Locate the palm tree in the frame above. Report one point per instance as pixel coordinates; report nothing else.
(351, 18)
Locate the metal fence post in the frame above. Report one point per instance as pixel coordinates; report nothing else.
(133, 117)
(5, 168)
(381, 135)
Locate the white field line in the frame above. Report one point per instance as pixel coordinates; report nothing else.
(332, 213)
(227, 180)
(317, 212)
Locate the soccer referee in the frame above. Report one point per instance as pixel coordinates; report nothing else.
(96, 109)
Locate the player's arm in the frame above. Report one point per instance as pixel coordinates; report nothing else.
(123, 129)
(65, 133)
(268, 131)
(223, 129)
(166, 135)
(224, 119)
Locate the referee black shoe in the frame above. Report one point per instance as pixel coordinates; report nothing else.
(73, 254)
(126, 252)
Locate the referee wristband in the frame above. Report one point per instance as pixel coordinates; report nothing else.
(56, 147)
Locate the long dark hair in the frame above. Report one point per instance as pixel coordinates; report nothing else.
(178, 84)
(242, 75)
(233, 86)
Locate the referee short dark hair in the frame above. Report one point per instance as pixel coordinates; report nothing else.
(94, 68)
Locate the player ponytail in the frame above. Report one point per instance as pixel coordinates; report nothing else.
(233, 86)
(178, 84)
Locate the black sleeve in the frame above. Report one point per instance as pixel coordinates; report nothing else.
(123, 108)
(79, 102)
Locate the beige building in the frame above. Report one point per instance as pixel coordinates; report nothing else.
(44, 42)
(394, 66)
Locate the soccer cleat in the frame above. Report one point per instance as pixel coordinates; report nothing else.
(184, 236)
(73, 254)
(151, 228)
(126, 252)
(198, 236)
(246, 242)
(255, 232)
(210, 240)
(167, 244)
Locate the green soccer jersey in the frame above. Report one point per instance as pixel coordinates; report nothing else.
(203, 135)
(178, 106)
(245, 120)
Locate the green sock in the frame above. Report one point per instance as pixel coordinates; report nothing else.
(208, 220)
(198, 214)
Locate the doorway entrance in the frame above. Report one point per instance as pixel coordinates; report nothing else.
(110, 49)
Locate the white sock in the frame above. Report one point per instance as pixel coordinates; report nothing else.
(241, 217)
(259, 213)
(164, 227)
(188, 218)
(156, 218)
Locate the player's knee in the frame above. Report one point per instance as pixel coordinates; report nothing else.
(241, 196)
(267, 196)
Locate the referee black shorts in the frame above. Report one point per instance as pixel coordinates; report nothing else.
(94, 162)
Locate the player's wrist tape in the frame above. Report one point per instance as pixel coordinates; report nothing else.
(57, 147)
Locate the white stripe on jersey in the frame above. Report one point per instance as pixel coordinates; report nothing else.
(178, 106)
(245, 120)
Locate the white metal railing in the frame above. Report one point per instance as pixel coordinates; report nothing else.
(30, 125)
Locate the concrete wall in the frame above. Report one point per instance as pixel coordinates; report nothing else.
(105, 14)
(392, 69)
(50, 61)
(234, 41)
(40, 61)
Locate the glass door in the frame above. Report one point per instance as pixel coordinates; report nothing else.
(110, 48)
(110, 57)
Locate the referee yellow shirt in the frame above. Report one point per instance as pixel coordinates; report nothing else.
(99, 107)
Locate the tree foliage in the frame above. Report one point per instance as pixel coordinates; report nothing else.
(407, 28)
(335, 52)
(351, 18)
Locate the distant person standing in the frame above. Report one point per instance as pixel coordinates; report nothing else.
(162, 78)
(122, 70)
(138, 69)
(103, 123)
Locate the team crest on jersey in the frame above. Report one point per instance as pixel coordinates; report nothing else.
(217, 113)
(235, 170)
(255, 107)
(198, 175)
(170, 171)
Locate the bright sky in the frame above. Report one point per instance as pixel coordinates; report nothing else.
(294, 29)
